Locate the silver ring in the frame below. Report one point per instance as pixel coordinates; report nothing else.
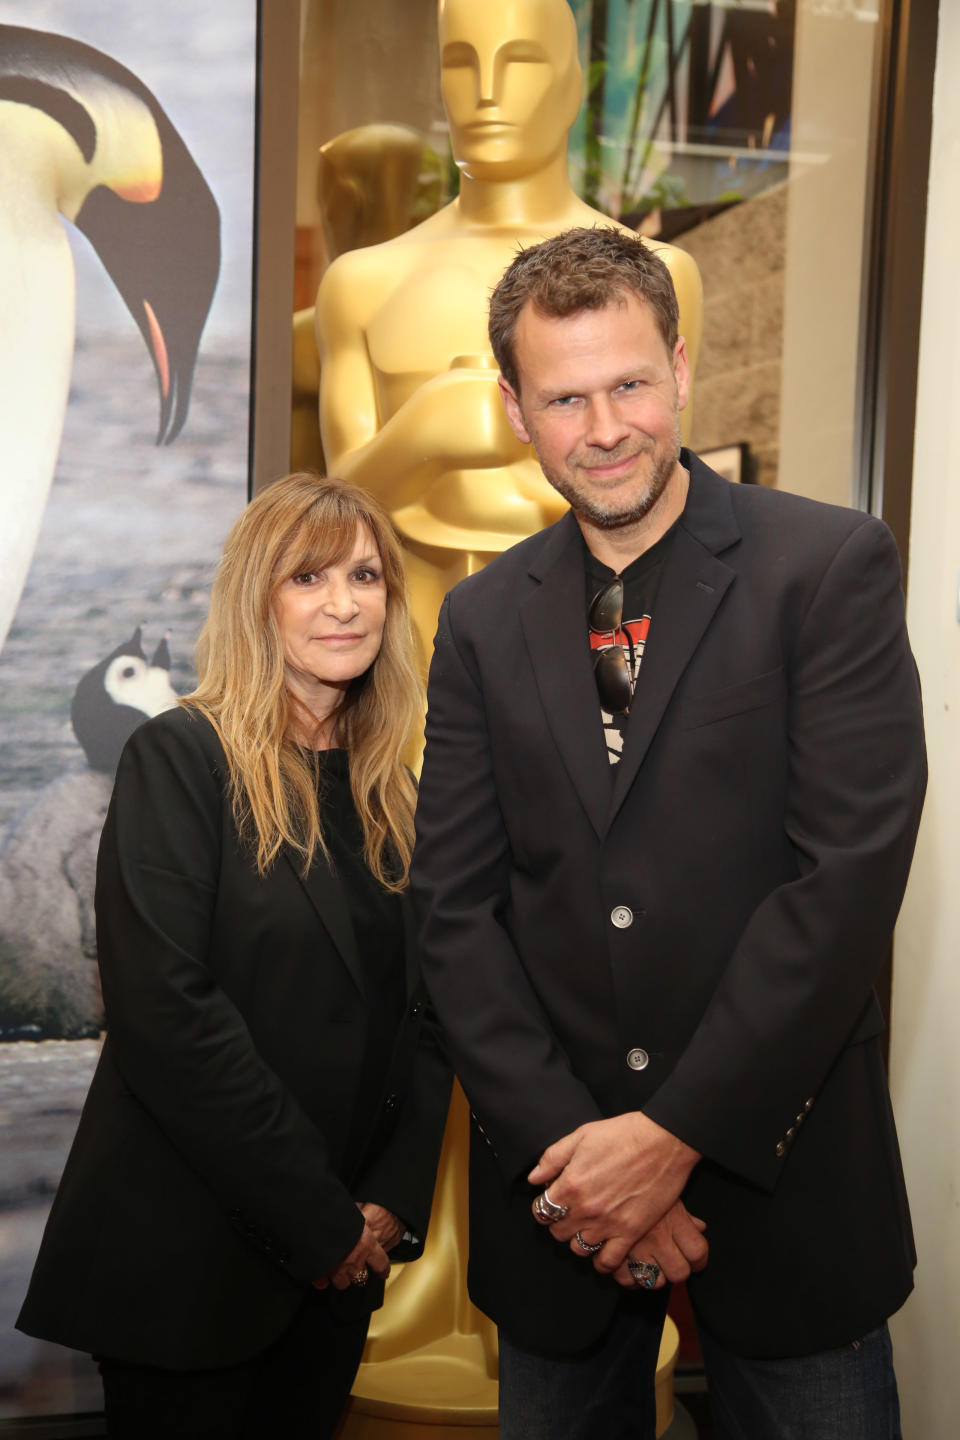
(360, 1278)
(644, 1274)
(548, 1210)
(588, 1246)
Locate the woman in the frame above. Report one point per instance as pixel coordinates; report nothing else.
(263, 1125)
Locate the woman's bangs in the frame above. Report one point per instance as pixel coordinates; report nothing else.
(323, 539)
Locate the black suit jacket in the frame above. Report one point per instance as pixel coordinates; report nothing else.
(218, 1160)
(721, 901)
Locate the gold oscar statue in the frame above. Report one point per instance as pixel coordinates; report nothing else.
(368, 184)
(410, 409)
(409, 405)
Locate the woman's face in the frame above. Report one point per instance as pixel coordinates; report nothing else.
(331, 623)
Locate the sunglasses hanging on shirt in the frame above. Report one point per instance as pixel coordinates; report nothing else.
(613, 668)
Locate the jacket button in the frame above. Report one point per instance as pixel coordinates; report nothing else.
(781, 1149)
(622, 916)
(638, 1059)
(416, 1009)
(391, 1102)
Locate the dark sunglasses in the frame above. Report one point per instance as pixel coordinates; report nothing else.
(612, 668)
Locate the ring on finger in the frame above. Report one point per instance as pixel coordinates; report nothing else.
(359, 1277)
(589, 1247)
(548, 1210)
(645, 1274)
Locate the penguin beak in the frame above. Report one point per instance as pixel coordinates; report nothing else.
(164, 258)
(159, 347)
(171, 418)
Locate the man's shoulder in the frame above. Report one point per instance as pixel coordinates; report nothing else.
(780, 517)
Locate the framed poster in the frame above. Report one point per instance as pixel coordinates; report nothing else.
(730, 461)
(127, 166)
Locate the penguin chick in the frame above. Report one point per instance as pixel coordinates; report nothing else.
(115, 696)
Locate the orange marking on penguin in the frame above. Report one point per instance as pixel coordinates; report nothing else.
(159, 349)
(140, 192)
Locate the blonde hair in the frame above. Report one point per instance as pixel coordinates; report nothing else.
(298, 524)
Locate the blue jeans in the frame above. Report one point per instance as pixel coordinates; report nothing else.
(608, 1392)
(844, 1394)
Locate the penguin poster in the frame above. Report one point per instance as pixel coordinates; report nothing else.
(127, 161)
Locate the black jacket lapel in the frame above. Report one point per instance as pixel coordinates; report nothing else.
(326, 896)
(554, 621)
(693, 584)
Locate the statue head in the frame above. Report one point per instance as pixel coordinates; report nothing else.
(366, 184)
(511, 83)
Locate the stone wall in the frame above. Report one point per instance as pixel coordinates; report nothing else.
(741, 256)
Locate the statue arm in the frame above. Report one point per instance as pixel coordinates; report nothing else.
(349, 420)
(453, 420)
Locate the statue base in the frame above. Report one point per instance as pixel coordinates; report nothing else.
(443, 1389)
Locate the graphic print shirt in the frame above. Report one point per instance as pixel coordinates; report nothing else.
(641, 579)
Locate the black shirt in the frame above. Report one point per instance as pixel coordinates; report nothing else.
(641, 579)
(378, 930)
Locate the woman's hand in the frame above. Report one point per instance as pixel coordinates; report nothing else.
(387, 1227)
(368, 1254)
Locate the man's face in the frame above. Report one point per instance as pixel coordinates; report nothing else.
(511, 83)
(600, 398)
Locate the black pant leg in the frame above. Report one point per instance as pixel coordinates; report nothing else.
(297, 1387)
(303, 1382)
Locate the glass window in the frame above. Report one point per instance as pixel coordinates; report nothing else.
(740, 130)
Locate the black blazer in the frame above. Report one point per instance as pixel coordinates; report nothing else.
(722, 900)
(215, 1170)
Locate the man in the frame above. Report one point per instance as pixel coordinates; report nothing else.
(651, 929)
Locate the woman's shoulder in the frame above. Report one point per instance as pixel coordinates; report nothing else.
(171, 792)
(181, 735)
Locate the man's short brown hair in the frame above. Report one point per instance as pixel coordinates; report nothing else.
(583, 269)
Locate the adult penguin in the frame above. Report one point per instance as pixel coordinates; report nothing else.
(81, 137)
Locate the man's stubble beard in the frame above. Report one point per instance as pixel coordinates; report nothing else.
(607, 517)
